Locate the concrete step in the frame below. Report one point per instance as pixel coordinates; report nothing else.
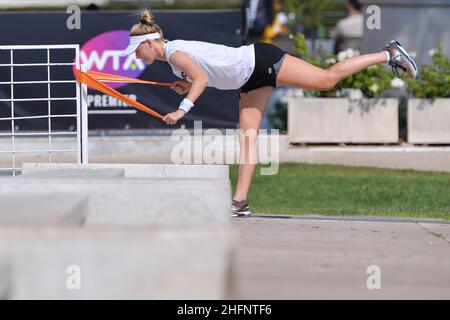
(118, 263)
(138, 201)
(134, 170)
(53, 208)
(75, 172)
(5, 277)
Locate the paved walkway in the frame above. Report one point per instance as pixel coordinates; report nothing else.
(327, 258)
(158, 149)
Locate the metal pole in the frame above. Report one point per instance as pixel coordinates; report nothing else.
(84, 121)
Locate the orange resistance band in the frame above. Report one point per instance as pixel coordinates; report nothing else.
(104, 77)
(94, 80)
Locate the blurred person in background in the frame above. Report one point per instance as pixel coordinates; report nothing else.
(349, 31)
(278, 26)
(257, 15)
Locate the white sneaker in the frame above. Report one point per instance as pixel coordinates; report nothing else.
(400, 59)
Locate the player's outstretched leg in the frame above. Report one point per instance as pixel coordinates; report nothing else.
(298, 73)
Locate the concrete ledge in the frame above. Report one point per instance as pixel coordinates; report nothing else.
(36, 209)
(416, 158)
(138, 202)
(55, 171)
(428, 158)
(118, 263)
(135, 170)
(5, 278)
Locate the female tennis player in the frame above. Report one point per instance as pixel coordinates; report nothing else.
(255, 70)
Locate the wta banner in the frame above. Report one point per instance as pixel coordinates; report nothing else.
(102, 36)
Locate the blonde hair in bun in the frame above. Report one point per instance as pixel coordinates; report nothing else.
(146, 25)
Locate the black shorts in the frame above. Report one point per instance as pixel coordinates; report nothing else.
(268, 61)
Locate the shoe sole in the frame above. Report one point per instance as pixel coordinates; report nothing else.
(408, 58)
(241, 214)
(249, 215)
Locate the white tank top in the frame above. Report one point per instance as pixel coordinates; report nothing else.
(227, 68)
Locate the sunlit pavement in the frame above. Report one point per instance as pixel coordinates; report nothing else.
(308, 258)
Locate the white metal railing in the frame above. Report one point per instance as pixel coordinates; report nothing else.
(81, 148)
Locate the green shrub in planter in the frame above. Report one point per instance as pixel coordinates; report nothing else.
(372, 81)
(433, 80)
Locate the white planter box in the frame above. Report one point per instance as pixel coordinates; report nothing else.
(429, 122)
(339, 120)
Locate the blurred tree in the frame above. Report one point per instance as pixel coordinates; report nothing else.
(308, 13)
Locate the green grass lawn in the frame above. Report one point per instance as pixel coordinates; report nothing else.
(338, 190)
